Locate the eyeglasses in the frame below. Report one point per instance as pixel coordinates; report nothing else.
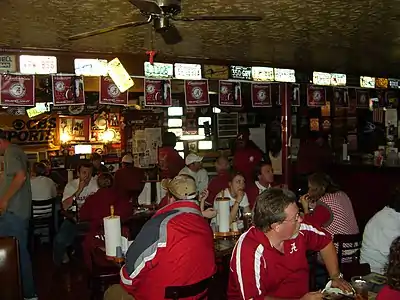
(295, 219)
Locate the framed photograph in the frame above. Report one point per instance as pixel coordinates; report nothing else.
(74, 128)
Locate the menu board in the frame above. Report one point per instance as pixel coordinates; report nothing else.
(338, 79)
(285, 75)
(333, 79)
(394, 83)
(158, 70)
(239, 72)
(321, 78)
(367, 82)
(262, 74)
(187, 71)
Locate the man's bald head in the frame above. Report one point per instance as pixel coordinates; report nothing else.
(222, 164)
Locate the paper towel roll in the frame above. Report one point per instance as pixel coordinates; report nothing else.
(112, 234)
(70, 175)
(223, 214)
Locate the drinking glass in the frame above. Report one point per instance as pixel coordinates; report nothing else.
(360, 286)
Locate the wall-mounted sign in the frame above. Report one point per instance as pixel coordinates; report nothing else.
(333, 79)
(321, 78)
(262, 73)
(7, 63)
(32, 64)
(381, 83)
(90, 67)
(285, 75)
(394, 83)
(216, 72)
(119, 75)
(17, 90)
(239, 72)
(29, 132)
(367, 82)
(338, 79)
(187, 71)
(158, 70)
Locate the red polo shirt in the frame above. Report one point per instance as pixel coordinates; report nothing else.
(217, 184)
(388, 293)
(174, 248)
(170, 162)
(245, 161)
(259, 270)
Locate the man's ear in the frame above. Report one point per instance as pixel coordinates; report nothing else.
(275, 226)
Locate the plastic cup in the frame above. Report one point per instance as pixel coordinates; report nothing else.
(360, 286)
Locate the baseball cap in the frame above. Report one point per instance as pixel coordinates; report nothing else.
(192, 158)
(127, 159)
(181, 186)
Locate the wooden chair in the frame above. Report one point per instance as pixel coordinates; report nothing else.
(42, 217)
(348, 250)
(10, 279)
(181, 292)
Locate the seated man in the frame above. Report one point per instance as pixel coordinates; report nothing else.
(174, 248)
(97, 206)
(221, 181)
(78, 189)
(269, 261)
(264, 176)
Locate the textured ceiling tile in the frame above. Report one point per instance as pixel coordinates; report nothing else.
(325, 35)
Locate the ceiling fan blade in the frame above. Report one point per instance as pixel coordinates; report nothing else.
(108, 29)
(170, 35)
(147, 6)
(220, 18)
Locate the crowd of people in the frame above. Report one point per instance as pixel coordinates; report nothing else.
(176, 247)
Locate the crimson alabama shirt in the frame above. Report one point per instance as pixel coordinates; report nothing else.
(258, 270)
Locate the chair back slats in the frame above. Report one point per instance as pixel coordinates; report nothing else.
(348, 247)
(10, 279)
(43, 208)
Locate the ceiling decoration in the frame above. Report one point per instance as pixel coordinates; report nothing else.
(344, 36)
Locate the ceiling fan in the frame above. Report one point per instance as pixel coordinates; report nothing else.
(160, 13)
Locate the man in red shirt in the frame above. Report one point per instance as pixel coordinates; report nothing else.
(247, 155)
(269, 261)
(174, 248)
(130, 178)
(169, 160)
(264, 175)
(219, 182)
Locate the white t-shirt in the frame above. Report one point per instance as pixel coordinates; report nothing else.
(43, 188)
(201, 178)
(88, 190)
(378, 235)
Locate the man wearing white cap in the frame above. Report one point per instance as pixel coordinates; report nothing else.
(194, 168)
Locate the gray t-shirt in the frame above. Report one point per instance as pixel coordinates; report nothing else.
(16, 160)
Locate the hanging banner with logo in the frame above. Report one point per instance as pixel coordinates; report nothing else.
(17, 90)
(110, 93)
(362, 97)
(341, 97)
(261, 95)
(196, 93)
(68, 90)
(230, 93)
(157, 92)
(316, 96)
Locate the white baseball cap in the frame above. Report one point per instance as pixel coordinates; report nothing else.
(127, 159)
(193, 158)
